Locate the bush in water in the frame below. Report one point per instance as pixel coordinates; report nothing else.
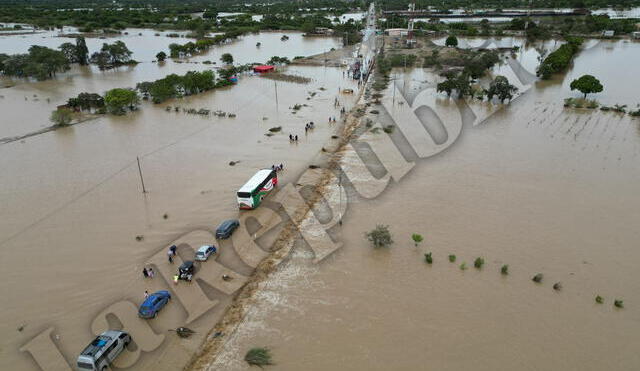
(428, 258)
(380, 236)
(478, 263)
(416, 238)
(505, 269)
(452, 258)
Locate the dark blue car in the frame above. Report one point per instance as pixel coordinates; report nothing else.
(226, 228)
(153, 304)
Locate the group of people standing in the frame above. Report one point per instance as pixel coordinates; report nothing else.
(148, 272)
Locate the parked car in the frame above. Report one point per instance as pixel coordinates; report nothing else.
(226, 228)
(205, 251)
(101, 352)
(186, 271)
(152, 304)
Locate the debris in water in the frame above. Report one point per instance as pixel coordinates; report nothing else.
(269, 134)
(334, 137)
(233, 163)
(557, 286)
(313, 166)
(184, 332)
(275, 129)
(165, 216)
(21, 327)
(139, 238)
(286, 77)
(264, 118)
(232, 115)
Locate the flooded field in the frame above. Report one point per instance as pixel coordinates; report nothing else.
(536, 186)
(27, 106)
(72, 204)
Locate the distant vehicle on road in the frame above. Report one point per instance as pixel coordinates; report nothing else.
(205, 251)
(103, 350)
(226, 228)
(152, 305)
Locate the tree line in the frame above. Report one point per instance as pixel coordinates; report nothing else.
(42, 62)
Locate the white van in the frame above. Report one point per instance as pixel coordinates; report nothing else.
(98, 355)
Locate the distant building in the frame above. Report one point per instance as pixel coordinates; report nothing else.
(635, 34)
(323, 31)
(396, 31)
(608, 33)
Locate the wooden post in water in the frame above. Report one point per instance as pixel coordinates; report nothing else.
(144, 190)
(275, 86)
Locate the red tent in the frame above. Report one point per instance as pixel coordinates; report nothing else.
(261, 69)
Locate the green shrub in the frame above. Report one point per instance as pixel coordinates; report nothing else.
(416, 238)
(505, 269)
(618, 303)
(428, 258)
(557, 286)
(258, 357)
(537, 278)
(380, 236)
(599, 299)
(452, 258)
(463, 266)
(478, 263)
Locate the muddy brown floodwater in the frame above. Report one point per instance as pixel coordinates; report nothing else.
(71, 202)
(536, 186)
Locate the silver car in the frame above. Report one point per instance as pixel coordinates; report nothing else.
(205, 251)
(103, 350)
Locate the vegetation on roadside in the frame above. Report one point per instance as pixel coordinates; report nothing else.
(259, 356)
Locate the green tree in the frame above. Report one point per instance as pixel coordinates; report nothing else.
(227, 58)
(380, 236)
(258, 357)
(118, 100)
(451, 41)
(586, 84)
(501, 88)
(161, 56)
(61, 117)
(70, 52)
(82, 52)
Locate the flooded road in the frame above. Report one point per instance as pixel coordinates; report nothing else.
(71, 201)
(535, 186)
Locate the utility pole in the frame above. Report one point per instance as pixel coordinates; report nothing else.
(144, 190)
(275, 86)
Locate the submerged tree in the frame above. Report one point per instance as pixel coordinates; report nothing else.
(586, 84)
(118, 100)
(82, 52)
(61, 117)
(380, 236)
(161, 56)
(227, 58)
(501, 88)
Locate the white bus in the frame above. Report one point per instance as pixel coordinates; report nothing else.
(252, 193)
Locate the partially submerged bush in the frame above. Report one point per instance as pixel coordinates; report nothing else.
(478, 263)
(380, 236)
(452, 258)
(537, 278)
(258, 357)
(428, 258)
(599, 299)
(557, 286)
(505, 269)
(618, 303)
(463, 266)
(416, 238)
